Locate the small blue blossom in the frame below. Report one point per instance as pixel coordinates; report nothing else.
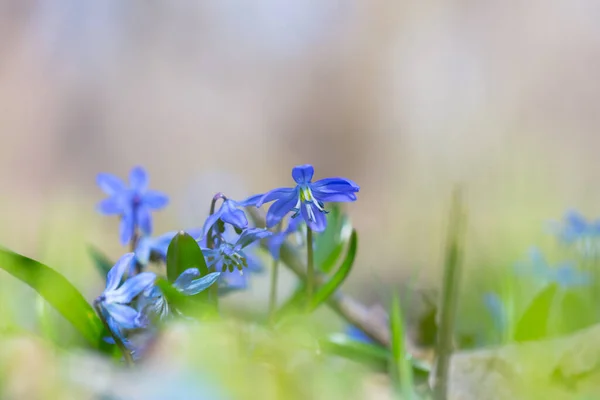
(230, 213)
(234, 281)
(307, 198)
(229, 256)
(576, 230)
(134, 203)
(275, 242)
(190, 283)
(115, 299)
(357, 334)
(564, 274)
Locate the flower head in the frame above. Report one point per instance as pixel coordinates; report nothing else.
(574, 229)
(230, 213)
(116, 297)
(307, 198)
(133, 203)
(229, 256)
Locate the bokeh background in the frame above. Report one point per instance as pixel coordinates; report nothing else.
(406, 98)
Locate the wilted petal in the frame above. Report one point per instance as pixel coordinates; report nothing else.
(114, 276)
(110, 184)
(275, 194)
(303, 173)
(138, 179)
(155, 200)
(198, 285)
(144, 219)
(131, 288)
(111, 206)
(124, 316)
(186, 277)
(281, 207)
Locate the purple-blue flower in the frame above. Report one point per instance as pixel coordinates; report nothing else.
(564, 274)
(229, 256)
(275, 242)
(230, 213)
(116, 297)
(307, 198)
(134, 203)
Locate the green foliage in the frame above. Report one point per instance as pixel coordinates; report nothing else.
(57, 291)
(330, 243)
(400, 367)
(533, 324)
(184, 253)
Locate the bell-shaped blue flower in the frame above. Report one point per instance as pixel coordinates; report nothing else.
(307, 198)
(229, 256)
(116, 297)
(134, 203)
(230, 213)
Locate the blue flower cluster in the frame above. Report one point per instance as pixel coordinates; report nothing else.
(132, 300)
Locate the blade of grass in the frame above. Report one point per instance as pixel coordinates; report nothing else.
(400, 368)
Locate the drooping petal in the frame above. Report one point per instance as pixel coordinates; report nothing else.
(233, 216)
(125, 317)
(303, 173)
(211, 220)
(111, 205)
(114, 276)
(144, 219)
(154, 199)
(281, 207)
(131, 288)
(110, 184)
(186, 277)
(198, 285)
(338, 197)
(126, 228)
(251, 235)
(336, 183)
(315, 219)
(334, 189)
(138, 179)
(275, 194)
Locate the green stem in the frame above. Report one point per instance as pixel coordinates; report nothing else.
(273, 290)
(118, 341)
(310, 268)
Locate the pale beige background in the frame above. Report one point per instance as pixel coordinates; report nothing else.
(405, 98)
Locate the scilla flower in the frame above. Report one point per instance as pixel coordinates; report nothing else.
(307, 198)
(576, 230)
(134, 203)
(230, 213)
(115, 299)
(229, 256)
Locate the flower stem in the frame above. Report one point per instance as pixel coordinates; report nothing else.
(126, 353)
(310, 268)
(213, 291)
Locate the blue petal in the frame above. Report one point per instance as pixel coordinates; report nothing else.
(111, 206)
(281, 207)
(131, 288)
(198, 285)
(319, 223)
(336, 184)
(144, 219)
(303, 173)
(275, 194)
(110, 184)
(274, 245)
(138, 179)
(251, 235)
(567, 275)
(143, 250)
(126, 228)
(338, 197)
(334, 189)
(186, 277)
(233, 216)
(231, 281)
(155, 200)
(250, 201)
(357, 334)
(114, 276)
(211, 220)
(124, 316)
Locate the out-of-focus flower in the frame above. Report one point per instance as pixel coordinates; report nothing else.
(576, 230)
(230, 213)
(564, 274)
(357, 334)
(115, 299)
(307, 198)
(229, 256)
(494, 304)
(134, 203)
(275, 242)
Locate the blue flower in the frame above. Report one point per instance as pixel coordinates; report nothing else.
(564, 274)
(307, 198)
(229, 256)
(235, 281)
(133, 203)
(151, 248)
(576, 230)
(357, 334)
(115, 299)
(275, 242)
(190, 283)
(230, 213)
(494, 304)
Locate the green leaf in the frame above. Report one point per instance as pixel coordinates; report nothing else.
(184, 253)
(292, 304)
(575, 312)
(400, 366)
(102, 263)
(533, 324)
(330, 243)
(342, 345)
(57, 291)
(329, 288)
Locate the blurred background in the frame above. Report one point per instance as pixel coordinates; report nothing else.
(406, 98)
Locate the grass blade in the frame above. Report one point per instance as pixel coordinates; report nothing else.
(400, 366)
